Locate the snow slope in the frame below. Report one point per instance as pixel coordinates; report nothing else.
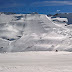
(42, 61)
(34, 32)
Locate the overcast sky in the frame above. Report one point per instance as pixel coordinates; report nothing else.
(40, 6)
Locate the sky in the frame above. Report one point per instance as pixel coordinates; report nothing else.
(40, 6)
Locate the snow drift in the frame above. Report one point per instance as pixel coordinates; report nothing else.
(35, 32)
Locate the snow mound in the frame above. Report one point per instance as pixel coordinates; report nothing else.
(65, 15)
(35, 32)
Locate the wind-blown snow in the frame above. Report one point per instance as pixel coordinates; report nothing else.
(34, 32)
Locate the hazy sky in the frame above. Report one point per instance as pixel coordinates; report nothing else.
(40, 6)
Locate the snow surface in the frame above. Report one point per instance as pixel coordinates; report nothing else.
(41, 61)
(34, 32)
(28, 43)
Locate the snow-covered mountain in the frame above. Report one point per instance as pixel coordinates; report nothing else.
(35, 32)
